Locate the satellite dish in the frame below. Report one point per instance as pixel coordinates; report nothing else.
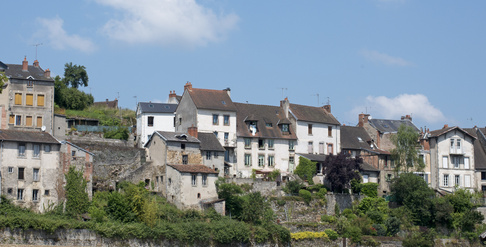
(43, 128)
(370, 117)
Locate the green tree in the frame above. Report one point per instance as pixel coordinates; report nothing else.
(231, 192)
(256, 209)
(406, 151)
(3, 80)
(77, 197)
(75, 75)
(306, 169)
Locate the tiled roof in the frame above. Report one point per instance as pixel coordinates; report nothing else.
(27, 136)
(314, 157)
(479, 148)
(176, 137)
(209, 142)
(439, 132)
(354, 138)
(367, 167)
(193, 169)
(390, 126)
(149, 107)
(312, 114)
(267, 119)
(107, 103)
(211, 99)
(15, 71)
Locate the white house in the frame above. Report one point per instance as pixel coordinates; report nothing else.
(153, 117)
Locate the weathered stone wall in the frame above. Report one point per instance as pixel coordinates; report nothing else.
(266, 188)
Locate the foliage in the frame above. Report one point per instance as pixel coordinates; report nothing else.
(70, 98)
(306, 195)
(106, 116)
(341, 169)
(231, 192)
(406, 151)
(256, 209)
(3, 80)
(75, 75)
(422, 238)
(292, 187)
(392, 226)
(380, 229)
(370, 189)
(309, 235)
(354, 233)
(356, 185)
(272, 176)
(118, 133)
(322, 193)
(331, 234)
(328, 218)
(306, 169)
(337, 210)
(77, 200)
(373, 204)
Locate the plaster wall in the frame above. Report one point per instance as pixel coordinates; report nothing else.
(319, 135)
(162, 122)
(205, 124)
(216, 161)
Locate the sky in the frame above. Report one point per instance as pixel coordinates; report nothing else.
(387, 58)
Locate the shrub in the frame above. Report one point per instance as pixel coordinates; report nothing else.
(331, 234)
(392, 226)
(328, 218)
(309, 235)
(281, 202)
(347, 212)
(306, 195)
(322, 193)
(354, 233)
(356, 185)
(375, 216)
(370, 189)
(118, 133)
(306, 169)
(292, 187)
(380, 229)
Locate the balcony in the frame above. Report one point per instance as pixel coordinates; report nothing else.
(456, 151)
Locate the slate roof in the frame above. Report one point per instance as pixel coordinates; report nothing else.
(176, 137)
(439, 132)
(211, 99)
(312, 114)
(209, 142)
(355, 138)
(27, 136)
(479, 148)
(314, 157)
(149, 107)
(390, 126)
(15, 71)
(367, 167)
(193, 169)
(263, 115)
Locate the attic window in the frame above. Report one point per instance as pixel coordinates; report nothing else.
(151, 106)
(224, 103)
(359, 139)
(268, 124)
(181, 136)
(166, 107)
(253, 127)
(285, 128)
(30, 83)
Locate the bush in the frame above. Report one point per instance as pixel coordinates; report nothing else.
(292, 187)
(354, 233)
(322, 193)
(375, 216)
(380, 229)
(328, 218)
(306, 169)
(309, 235)
(370, 189)
(356, 185)
(331, 234)
(392, 226)
(306, 195)
(423, 238)
(118, 133)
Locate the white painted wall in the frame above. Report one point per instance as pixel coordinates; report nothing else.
(205, 124)
(319, 134)
(162, 122)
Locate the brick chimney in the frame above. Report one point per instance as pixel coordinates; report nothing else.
(25, 64)
(36, 63)
(47, 73)
(407, 117)
(172, 95)
(228, 91)
(327, 108)
(285, 104)
(188, 86)
(192, 131)
(363, 118)
(445, 126)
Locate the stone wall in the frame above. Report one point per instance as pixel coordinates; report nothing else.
(266, 188)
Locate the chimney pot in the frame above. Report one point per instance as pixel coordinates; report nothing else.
(446, 126)
(36, 63)
(47, 73)
(188, 86)
(25, 64)
(192, 131)
(363, 118)
(327, 108)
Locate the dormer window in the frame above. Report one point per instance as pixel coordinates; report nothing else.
(30, 83)
(268, 125)
(285, 128)
(253, 127)
(222, 102)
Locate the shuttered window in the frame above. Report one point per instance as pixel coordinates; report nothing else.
(28, 121)
(29, 99)
(40, 100)
(11, 119)
(18, 98)
(39, 122)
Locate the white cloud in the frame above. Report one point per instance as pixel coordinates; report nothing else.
(385, 58)
(417, 105)
(167, 22)
(59, 39)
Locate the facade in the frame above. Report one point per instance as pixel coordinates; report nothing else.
(29, 164)
(81, 159)
(479, 157)
(27, 100)
(211, 151)
(265, 140)
(153, 117)
(452, 159)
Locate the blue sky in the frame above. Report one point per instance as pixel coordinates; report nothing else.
(388, 58)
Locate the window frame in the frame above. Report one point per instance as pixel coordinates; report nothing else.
(185, 159)
(150, 121)
(21, 173)
(20, 194)
(205, 180)
(35, 174)
(21, 149)
(36, 153)
(261, 160)
(271, 143)
(271, 160)
(329, 131)
(247, 142)
(194, 179)
(309, 129)
(41, 98)
(226, 120)
(35, 195)
(247, 159)
(445, 180)
(215, 119)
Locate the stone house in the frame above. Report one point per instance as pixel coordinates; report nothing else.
(211, 151)
(452, 159)
(153, 117)
(265, 140)
(82, 159)
(479, 157)
(27, 100)
(211, 111)
(29, 165)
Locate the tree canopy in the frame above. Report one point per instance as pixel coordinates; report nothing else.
(70, 97)
(75, 75)
(406, 151)
(341, 169)
(3, 80)
(306, 169)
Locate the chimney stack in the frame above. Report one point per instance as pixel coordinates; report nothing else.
(47, 73)
(445, 126)
(407, 117)
(36, 63)
(25, 64)
(192, 131)
(327, 108)
(172, 94)
(363, 118)
(228, 91)
(188, 86)
(285, 104)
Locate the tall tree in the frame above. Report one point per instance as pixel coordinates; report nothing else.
(341, 169)
(3, 80)
(77, 198)
(75, 75)
(406, 151)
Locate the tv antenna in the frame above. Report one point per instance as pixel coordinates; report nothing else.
(283, 88)
(366, 109)
(36, 45)
(317, 98)
(328, 101)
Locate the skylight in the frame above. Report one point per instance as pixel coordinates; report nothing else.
(224, 103)
(359, 139)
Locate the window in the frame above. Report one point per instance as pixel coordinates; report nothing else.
(309, 129)
(185, 159)
(194, 179)
(329, 148)
(457, 180)
(445, 162)
(452, 146)
(18, 98)
(365, 178)
(261, 160)
(22, 149)
(35, 195)
(10, 191)
(18, 120)
(321, 147)
(291, 160)
(11, 119)
(73, 154)
(215, 119)
(30, 83)
(291, 145)
(226, 120)
(29, 99)
(467, 181)
(270, 144)
(271, 160)
(216, 133)
(36, 150)
(310, 147)
(183, 146)
(170, 181)
(466, 163)
(329, 131)
(247, 159)
(226, 136)
(456, 160)
(47, 148)
(204, 179)
(285, 128)
(268, 125)
(215, 155)
(150, 121)
(36, 174)
(388, 177)
(28, 121)
(20, 194)
(39, 121)
(261, 143)
(458, 146)
(208, 155)
(40, 100)
(21, 173)
(247, 142)
(483, 175)
(446, 180)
